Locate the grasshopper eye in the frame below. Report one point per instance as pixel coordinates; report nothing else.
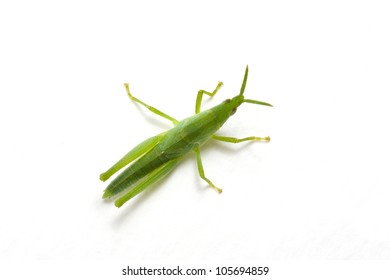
(227, 101)
(233, 111)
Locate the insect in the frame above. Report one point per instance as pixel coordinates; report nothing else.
(157, 156)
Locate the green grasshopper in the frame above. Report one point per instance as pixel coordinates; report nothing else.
(156, 157)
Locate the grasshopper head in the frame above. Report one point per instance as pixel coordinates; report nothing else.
(229, 106)
(234, 103)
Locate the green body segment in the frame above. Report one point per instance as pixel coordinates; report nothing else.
(135, 153)
(175, 143)
(151, 178)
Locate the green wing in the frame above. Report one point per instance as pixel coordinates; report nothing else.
(135, 153)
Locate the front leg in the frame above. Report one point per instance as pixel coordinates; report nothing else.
(238, 140)
(200, 96)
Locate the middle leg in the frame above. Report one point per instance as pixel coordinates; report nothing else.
(150, 108)
(201, 171)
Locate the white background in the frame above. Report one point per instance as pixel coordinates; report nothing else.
(320, 190)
